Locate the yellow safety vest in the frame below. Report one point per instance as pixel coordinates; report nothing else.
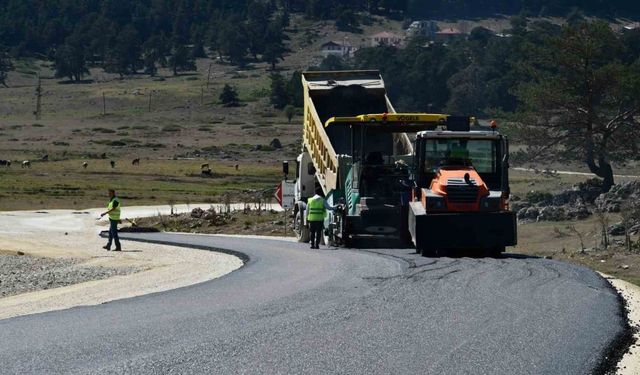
(115, 214)
(315, 209)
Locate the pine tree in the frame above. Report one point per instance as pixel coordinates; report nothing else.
(279, 96)
(70, 62)
(229, 97)
(274, 47)
(181, 59)
(5, 66)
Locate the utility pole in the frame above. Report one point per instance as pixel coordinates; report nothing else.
(38, 98)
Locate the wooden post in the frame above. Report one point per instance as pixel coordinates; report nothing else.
(38, 98)
(202, 95)
(149, 106)
(209, 75)
(104, 104)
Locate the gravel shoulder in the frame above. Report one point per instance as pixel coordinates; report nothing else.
(63, 247)
(630, 362)
(20, 273)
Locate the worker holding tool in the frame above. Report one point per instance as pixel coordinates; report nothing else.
(113, 210)
(317, 208)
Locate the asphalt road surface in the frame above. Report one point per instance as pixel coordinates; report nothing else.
(291, 310)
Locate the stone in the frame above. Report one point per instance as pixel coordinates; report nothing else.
(552, 213)
(518, 205)
(578, 212)
(197, 213)
(275, 143)
(616, 229)
(612, 200)
(528, 213)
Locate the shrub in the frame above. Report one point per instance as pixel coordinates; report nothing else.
(171, 128)
(103, 130)
(538, 197)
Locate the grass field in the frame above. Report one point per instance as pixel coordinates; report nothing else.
(65, 184)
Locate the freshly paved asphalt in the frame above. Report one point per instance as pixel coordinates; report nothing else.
(291, 310)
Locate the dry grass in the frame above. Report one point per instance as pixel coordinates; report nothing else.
(65, 184)
(251, 222)
(559, 241)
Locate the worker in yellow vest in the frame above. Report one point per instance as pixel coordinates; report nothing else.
(317, 208)
(113, 210)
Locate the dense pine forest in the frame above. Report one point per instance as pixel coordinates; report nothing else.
(108, 30)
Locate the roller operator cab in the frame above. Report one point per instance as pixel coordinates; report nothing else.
(460, 200)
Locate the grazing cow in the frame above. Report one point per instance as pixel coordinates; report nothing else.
(45, 157)
(103, 156)
(85, 165)
(26, 164)
(237, 166)
(204, 166)
(5, 163)
(136, 161)
(113, 163)
(207, 172)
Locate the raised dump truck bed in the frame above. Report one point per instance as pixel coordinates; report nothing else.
(327, 156)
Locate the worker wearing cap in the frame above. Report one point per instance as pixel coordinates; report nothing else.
(317, 208)
(113, 210)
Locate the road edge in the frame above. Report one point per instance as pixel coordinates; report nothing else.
(623, 341)
(242, 256)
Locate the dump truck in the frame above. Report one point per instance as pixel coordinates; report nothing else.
(335, 155)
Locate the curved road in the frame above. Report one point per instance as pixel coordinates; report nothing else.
(291, 310)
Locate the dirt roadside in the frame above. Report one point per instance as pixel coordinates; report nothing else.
(66, 234)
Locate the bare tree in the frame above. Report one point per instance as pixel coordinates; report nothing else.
(572, 229)
(603, 222)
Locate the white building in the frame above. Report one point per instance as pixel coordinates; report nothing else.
(341, 49)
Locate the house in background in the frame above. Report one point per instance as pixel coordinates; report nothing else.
(448, 34)
(385, 38)
(423, 28)
(340, 49)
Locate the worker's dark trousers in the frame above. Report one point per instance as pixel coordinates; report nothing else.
(315, 229)
(113, 234)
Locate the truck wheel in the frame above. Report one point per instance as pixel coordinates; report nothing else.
(431, 253)
(496, 252)
(302, 232)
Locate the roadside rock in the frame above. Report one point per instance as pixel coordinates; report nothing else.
(616, 229)
(528, 213)
(612, 200)
(579, 211)
(197, 213)
(518, 205)
(552, 213)
(275, 143)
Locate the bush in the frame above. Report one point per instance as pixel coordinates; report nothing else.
(171, 128)
(103, 130)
